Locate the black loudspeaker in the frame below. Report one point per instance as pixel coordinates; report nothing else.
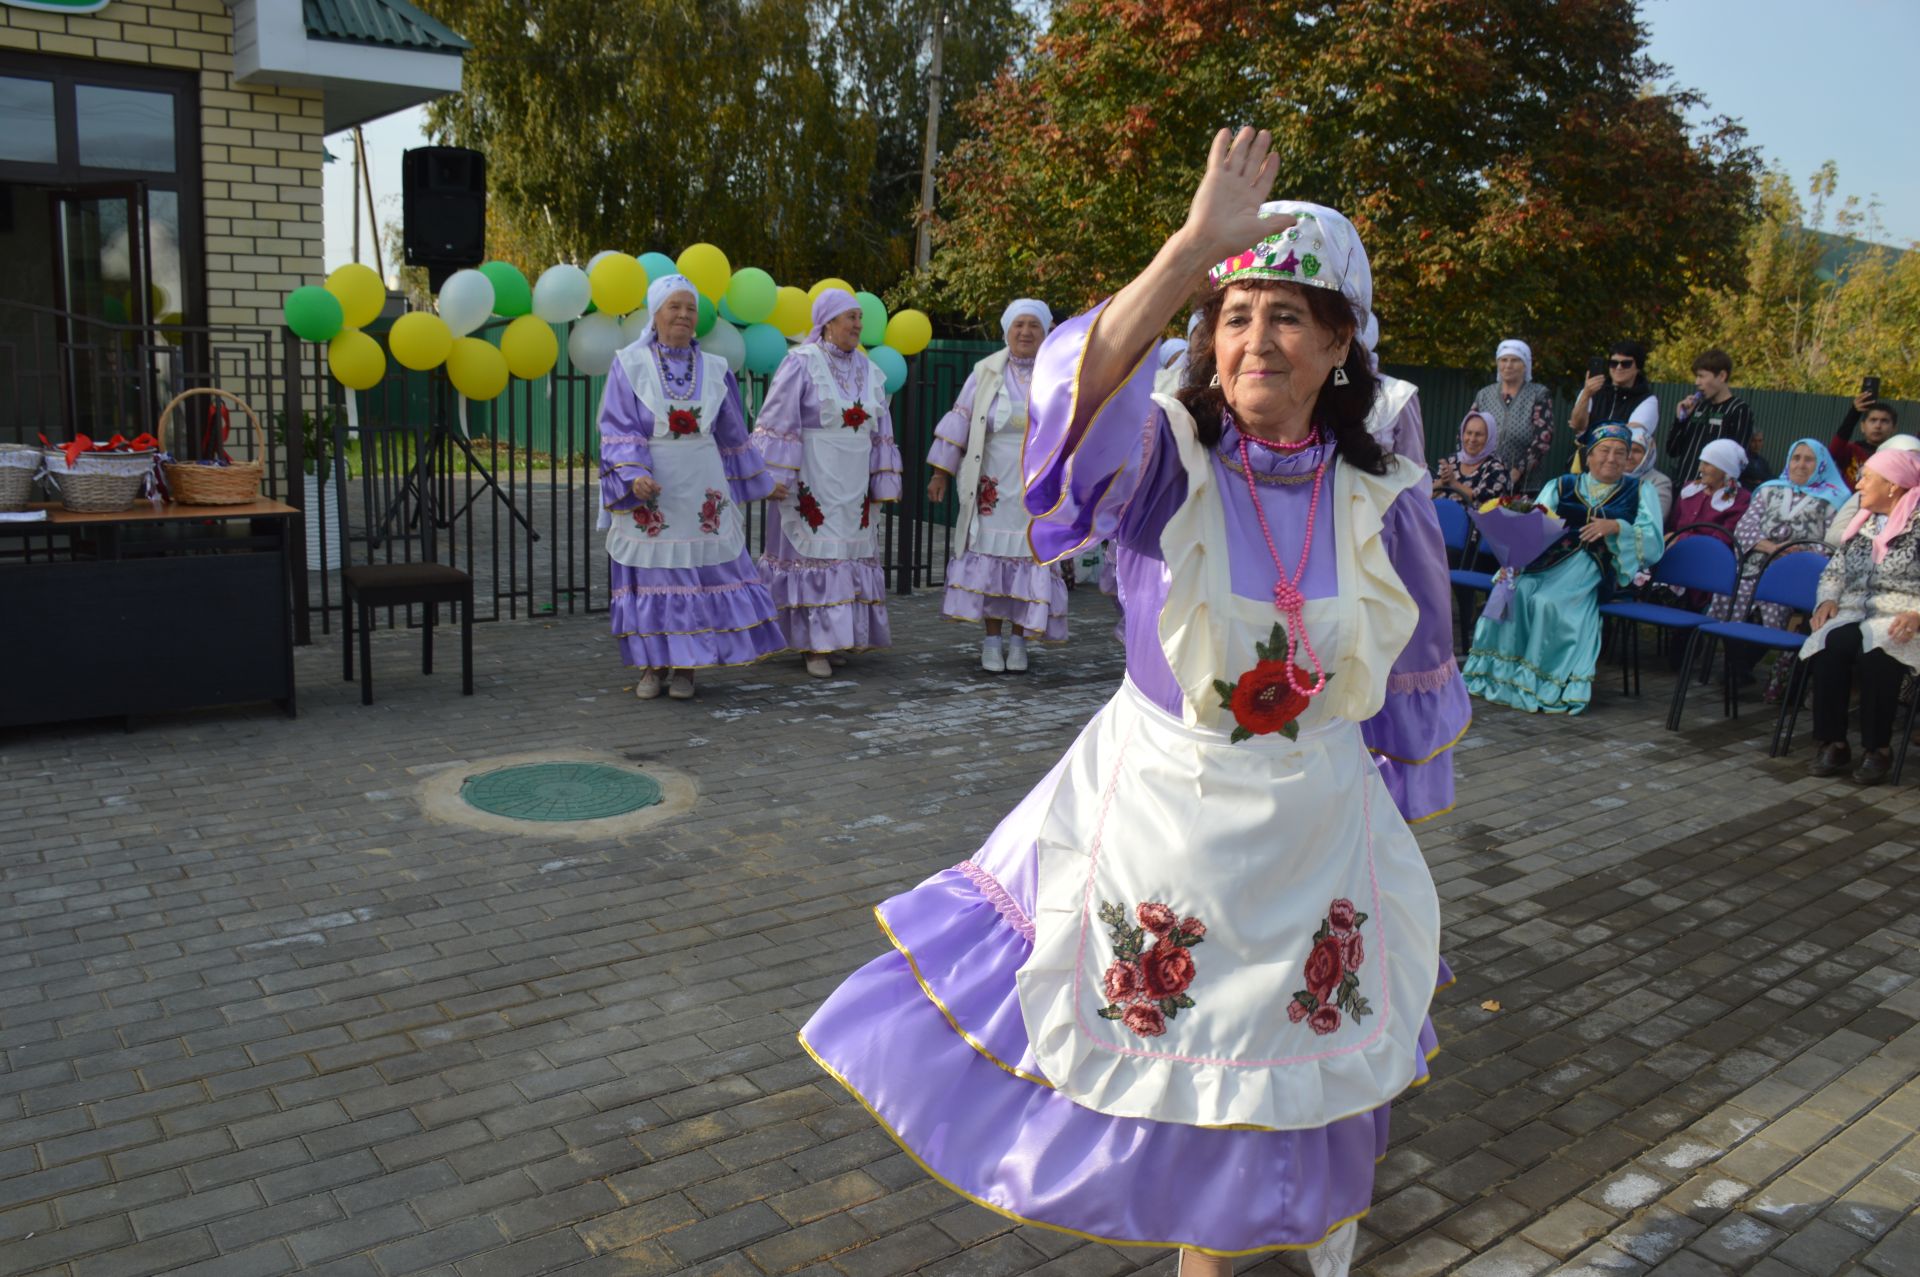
(443, 202)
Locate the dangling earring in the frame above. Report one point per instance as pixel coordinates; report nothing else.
(1340, 376)
(1215, 383)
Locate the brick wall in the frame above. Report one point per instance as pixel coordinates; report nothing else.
(260, 146)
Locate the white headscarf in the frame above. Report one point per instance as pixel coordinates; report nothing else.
(1730, 459)
(1514, 346)
(1370, 339)
(1026, 306)
(1346, 256)
(657, 293)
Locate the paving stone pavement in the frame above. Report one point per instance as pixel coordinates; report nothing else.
(260, 1014)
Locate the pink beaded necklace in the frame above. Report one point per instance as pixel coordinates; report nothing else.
(1287, 599)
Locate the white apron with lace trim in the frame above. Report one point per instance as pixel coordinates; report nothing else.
(1304, 999)
(826, 514)
(693, 522)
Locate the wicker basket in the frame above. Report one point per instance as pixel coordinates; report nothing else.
(99, 482)
(191, 484)
(18, 464)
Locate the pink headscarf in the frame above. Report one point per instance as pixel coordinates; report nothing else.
(829, 306)
(1466, 458)
(1902, 470)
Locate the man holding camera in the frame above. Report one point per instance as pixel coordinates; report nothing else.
(1876, 421)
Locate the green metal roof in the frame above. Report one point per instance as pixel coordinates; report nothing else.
(393, 23)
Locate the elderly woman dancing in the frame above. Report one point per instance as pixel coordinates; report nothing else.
(1199, 1049)
(827, 435)
(1866, 628)
(676, 469)
(993, 578)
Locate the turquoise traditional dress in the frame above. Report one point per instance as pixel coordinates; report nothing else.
(1541, 658)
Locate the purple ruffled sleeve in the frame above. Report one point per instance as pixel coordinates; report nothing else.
(951, 431)
(885, 465)
(1119, 477)
(626, 441)
(790, 403)
(747, 473)
(1427, 710)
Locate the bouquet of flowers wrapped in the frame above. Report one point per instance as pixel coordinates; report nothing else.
(1515, 531)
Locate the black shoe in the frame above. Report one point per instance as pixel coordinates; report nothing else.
(1834, 757)
(1875, 765)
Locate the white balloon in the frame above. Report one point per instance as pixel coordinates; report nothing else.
(561, 294)
(724, 340)
(466, 300)
(632, 326)
(593, 343)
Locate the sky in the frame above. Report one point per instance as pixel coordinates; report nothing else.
(1811, 85)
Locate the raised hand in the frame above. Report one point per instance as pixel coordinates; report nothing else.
(1224, 217)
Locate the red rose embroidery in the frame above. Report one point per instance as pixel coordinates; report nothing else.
(853, 418)
(1153, 967)
(1122, 981)
(710, 511)
(989, 495)
(1156, 918)
(810, 508)
(683, 421)
(1263, 700)
(866, 510)
(1330, 973)
(649, 519)
(1168, 970)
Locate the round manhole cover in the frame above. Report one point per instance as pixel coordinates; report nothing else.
(560, 791)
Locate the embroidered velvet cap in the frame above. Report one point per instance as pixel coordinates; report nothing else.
(1320, 250)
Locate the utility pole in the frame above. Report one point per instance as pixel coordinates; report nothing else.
(923, 240)
(373, 221)
(356, 203)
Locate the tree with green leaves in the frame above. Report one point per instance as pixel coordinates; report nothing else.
(1513, 167)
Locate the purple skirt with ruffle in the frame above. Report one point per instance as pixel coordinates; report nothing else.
(694, 618)
(825, 605)
(994, 587)
(930, 1038)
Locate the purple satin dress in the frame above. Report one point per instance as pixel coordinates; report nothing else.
(931, 1036)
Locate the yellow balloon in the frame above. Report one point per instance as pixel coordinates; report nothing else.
(356, 360)
(618, 283)
(420, 340)
(529, 347)
(792, 310)
(708, 268)
(813, 294)
(360, 293)
(909, 332)
(476, 368)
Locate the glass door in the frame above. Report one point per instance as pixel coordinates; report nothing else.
(103, 291)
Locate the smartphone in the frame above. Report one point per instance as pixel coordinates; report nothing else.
(1597, 366)
(1870, 386)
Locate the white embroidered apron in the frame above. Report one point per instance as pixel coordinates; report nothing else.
(992, 490)
(1318, 923)
(693, 522)
(826, 514)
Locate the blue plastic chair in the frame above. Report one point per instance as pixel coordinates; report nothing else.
(1694, 563)
(1789, 578)
(1456, 530)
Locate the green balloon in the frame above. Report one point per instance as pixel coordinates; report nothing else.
(752, 294)
(708, 314)
(726, 313)
(873, 319)
(314, 314)
(512, 294)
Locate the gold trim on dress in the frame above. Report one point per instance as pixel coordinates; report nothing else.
(1416, 762)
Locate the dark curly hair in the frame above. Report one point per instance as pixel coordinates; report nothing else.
(1343, 408)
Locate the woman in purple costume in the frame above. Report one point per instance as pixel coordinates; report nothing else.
(675, 468)
(827, 435)
(1078, 1029)
(993, 579)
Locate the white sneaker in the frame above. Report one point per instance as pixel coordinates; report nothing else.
(1334, 1256)
(1017, 654)
(649, 685)
(681, 688)
(993, 659)
(818, 665)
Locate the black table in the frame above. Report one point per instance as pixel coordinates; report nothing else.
(146, 611)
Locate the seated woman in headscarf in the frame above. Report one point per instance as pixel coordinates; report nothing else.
(1475, 474)
(1715, 495)
(993, 579)
(1643, 463)
(1867, 625)
(1782, 511)
(1541, 658)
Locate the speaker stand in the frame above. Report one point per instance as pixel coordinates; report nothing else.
(423, 482)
